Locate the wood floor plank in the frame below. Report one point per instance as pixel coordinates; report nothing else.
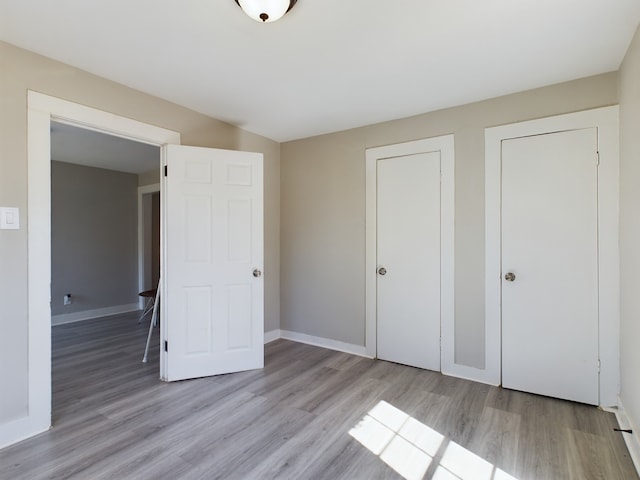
(309, 445)
(259, 438)
(588, 456)
(496, 439)
(113, 419)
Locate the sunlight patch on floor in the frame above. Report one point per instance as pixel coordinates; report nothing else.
(409, 447)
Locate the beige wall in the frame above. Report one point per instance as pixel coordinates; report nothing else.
(323, 211)
(630, 230)
(22, 70)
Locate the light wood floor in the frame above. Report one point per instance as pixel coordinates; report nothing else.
(114, 419)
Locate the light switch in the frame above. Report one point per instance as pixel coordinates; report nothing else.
(9, 218)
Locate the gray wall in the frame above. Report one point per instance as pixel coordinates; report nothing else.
(23, 70)
(323, 211)
(630, 231)
(94, 238)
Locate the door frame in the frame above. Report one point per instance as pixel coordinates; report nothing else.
(41, 110)
(605, 120)
(143, 192)
(445, 145)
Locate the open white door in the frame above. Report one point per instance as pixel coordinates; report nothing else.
(212, 298)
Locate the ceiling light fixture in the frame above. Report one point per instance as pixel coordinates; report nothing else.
(266, 10)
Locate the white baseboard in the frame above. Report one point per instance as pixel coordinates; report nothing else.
(272, 336)
(325, 343)
(90, 314)
(631, 439)
(20, 429)
(468, 373)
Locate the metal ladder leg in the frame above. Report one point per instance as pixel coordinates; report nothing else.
(152, 323)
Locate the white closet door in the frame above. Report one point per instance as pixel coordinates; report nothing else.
(408, 257)
(550, 265)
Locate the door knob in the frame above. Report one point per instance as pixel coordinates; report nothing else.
(382, 271)
(510, 277)
(257, 273)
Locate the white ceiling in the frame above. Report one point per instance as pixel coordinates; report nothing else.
(94, 149)
(328, 65)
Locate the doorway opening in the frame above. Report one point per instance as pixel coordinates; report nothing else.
(105, 249)
(148, 238)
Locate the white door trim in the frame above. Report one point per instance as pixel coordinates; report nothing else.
(445, 145)
(142, 191)
(41, 110)
(606, 121)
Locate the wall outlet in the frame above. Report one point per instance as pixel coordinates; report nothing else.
(67, 299)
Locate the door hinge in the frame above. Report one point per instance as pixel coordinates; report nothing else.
(597, 158)
(165, 170)
(166, 346)
(598, 365)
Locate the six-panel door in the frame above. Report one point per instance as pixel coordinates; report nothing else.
(213, 259)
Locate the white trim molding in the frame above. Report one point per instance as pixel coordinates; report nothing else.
(272, 336)
(324, 343)
(41, 109)
(20, 429)
(631, 439)
(445, 146)
(605, 120)
(91, 314)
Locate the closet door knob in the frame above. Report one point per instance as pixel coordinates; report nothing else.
(382, 271)
(510, 277)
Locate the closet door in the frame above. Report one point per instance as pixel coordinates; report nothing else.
(408, 258)
(550, 264)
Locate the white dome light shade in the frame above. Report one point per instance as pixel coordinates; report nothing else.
(266, 10)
